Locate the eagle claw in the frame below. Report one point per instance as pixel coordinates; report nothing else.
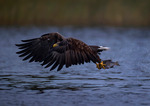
(100, 65)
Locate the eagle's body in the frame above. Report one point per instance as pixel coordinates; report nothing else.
(56, 50)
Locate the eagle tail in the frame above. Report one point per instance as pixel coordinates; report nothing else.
(102, 48)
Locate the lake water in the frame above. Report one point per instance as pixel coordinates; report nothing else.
(29, 84)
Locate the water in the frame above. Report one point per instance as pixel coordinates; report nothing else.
(29, 84)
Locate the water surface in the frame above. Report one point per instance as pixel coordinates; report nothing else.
(29, 84)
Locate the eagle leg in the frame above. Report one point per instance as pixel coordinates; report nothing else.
(100, 65)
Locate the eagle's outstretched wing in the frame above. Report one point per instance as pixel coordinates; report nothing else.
(70, 52)
(37, 49)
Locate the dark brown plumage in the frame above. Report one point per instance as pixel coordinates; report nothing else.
(54, 50)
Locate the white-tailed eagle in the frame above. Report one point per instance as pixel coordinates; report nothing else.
(52, 49)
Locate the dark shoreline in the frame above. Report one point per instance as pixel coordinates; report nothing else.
(78, 13)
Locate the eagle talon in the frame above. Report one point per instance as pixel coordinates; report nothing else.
(100, 65)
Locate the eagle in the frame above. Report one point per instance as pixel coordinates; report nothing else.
(53, 49)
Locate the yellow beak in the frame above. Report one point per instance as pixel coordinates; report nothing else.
(55, 45)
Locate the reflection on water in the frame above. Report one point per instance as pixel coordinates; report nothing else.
(23, 83)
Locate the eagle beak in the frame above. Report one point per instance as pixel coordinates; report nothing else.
(55, 45)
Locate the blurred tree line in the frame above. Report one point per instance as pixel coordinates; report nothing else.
(75, 12)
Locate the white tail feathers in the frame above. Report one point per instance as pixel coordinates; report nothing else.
(103, 48)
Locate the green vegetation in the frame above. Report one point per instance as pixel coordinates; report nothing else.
(75, 12)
